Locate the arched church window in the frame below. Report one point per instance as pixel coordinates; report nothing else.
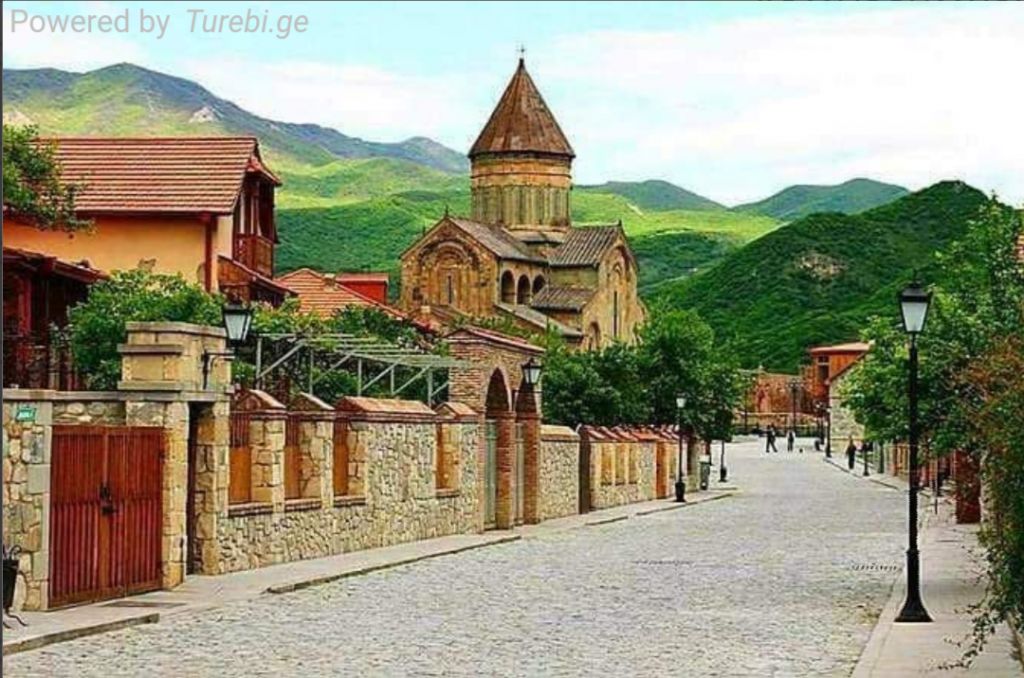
(523, 292)
(538, 284)
(508, 287)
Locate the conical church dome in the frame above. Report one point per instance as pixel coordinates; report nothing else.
(521, 163)
(522, 122)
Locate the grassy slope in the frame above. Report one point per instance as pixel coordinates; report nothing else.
(373, 233)
(849, 197)
(818, 279)
(654, 194)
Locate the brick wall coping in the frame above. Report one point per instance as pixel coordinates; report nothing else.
(177, 327)
(641, 434)
(384, 410)
(453, 411)
(475, 335)
(161, 395)
(560, 433)
(308, 406)
(259, 404)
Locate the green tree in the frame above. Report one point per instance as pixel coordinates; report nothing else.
(33, 190)
(972, 391)
(97, 325)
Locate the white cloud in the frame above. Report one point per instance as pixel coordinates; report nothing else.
(908, 95)
(358, 100)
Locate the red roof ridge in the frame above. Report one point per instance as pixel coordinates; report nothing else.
(158, 137)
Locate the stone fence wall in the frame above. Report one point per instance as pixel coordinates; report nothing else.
(409, 473)
(628, 465)
(559, 472)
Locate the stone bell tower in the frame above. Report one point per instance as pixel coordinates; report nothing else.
(521, 172)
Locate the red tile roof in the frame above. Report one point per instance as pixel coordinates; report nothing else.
(159, 174)
(852, 347)
(319, 294)
(522, 122)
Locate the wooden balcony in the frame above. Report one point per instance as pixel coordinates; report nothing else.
(256, 252)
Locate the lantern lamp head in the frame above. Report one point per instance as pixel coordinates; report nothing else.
(531, 371)
(914, 302)
(237, 321)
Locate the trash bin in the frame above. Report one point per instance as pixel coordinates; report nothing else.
(10, 578)
(705, 471)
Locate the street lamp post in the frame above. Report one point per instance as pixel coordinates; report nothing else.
(864, 452)
(680, 482)
(914, 302)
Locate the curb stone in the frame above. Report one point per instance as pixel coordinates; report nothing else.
(34, 643)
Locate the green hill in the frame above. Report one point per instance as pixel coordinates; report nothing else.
(654, 194)
(848, 197)
(125, 99)
(373, 232)
(818, 279)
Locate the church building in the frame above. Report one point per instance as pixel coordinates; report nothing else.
(518, 255)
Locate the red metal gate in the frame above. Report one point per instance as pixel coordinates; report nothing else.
(105, 512)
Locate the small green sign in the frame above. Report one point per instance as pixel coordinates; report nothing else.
(25, 413)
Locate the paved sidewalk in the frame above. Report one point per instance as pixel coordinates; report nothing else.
(951, 566)
(200, 593)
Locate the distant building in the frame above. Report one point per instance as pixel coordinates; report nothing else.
(519, 256)
(325, 294)
(202, 207)
(830, 366)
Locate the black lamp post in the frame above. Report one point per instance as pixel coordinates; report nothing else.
(237, 319)
(914, 302)
(680, 482)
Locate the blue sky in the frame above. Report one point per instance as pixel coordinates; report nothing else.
(732, 100)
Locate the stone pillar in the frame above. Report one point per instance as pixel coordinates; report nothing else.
(504, 514)
(527, 414)
(266, 440)
(26, 497)
(316, 445)
(211, 500)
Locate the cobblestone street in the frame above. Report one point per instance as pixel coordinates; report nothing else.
(783, 579)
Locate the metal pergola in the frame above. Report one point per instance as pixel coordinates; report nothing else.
(374, 361)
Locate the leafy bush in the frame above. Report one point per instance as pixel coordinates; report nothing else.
(97, 325)
(972, 391)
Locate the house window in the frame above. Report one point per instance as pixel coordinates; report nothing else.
(450, 290)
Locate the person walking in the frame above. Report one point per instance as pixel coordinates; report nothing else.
(851, 454)
(770, 440)
(790, 441)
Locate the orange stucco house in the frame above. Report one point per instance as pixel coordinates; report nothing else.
(202, 207)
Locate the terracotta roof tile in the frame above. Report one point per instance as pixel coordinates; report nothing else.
(158, 174)
(585, 246)
(318, 294)
(521, 122)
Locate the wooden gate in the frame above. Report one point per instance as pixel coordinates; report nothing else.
(105, 512)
